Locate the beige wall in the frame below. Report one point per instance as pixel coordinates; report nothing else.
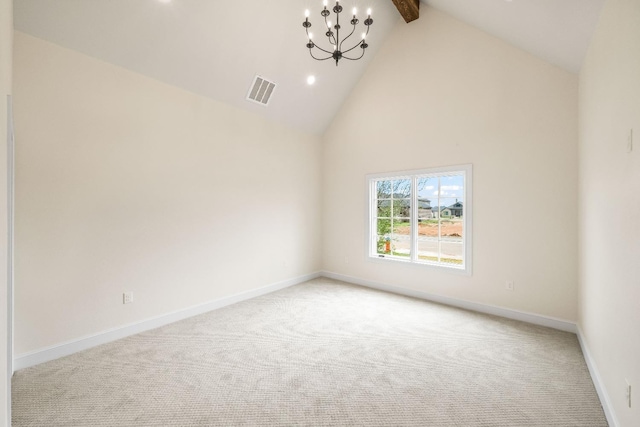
(439, 93)
(610, 204)
(6, 42)
(128, 184)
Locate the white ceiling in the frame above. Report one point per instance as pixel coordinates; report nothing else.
(215, 48)
(558, 31)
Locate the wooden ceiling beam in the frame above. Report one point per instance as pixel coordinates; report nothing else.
(409, 9)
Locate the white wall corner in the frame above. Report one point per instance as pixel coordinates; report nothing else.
(67, 348)
(605, 401)
(536, 319)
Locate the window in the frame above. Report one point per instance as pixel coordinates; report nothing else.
(422, 217)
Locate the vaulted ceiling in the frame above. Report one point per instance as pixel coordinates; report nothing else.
(215, 48)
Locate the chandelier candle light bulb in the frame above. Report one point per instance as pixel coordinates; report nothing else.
(334, 37)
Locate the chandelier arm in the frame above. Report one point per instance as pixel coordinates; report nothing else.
(345, 39)
(365, 34)
(325, 51)
(354, 59)
(349, 50)
(318, 59)
(315, 45)
(326, 24)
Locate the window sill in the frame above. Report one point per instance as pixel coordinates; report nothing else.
(389, 260)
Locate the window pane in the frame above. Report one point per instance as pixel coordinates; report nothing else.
(383, 227)
(402, 226)
(428, 227)
(452, 229)
(427, 250)
(451, 253)
(427, 197)
(383, 236)
(383, 189)
(451, 219)
(402, 189)
(425, 214)
(451, 208)
(383, 246)
(401, 245)
(452, 186)
(428, 188)
(402, 208)
(384, 208)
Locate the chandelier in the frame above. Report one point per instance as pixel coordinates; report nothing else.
(333, 35)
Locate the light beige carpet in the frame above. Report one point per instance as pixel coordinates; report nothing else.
(320, 354)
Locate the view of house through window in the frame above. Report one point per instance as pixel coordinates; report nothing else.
(422, 216)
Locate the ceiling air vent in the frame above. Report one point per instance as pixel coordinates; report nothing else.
(261, 91)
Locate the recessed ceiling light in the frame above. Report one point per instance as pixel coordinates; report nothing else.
(311, 80)
(164, 1)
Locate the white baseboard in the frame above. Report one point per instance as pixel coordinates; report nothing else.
(597, 381)
(64, 349)
(536, 319)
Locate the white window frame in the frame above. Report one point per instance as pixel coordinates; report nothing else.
(467, 200)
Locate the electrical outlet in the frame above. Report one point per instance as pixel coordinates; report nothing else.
(509, 285)
(127, 297)
(628, 393)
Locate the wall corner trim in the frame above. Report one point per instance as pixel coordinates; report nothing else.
(605, 401)
(67, 348)
(536, 319)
